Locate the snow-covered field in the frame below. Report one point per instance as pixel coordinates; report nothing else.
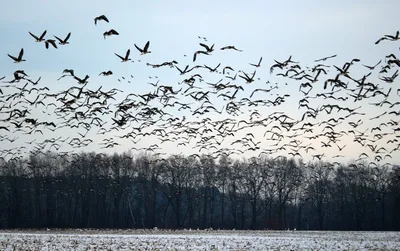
(197, 240)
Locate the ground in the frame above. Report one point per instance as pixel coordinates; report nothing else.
(196, 240)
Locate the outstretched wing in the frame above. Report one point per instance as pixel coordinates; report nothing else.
(34, 36)
(139, 49)
(21, 53)
(43, 34)
(146, 47)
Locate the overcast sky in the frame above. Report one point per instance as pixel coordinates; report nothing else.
(307, 30)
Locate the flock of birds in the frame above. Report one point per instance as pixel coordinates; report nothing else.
(218, 118)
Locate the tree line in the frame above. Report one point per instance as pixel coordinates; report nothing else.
(90, 190)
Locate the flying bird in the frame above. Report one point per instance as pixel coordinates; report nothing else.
(259, 63)
(145, 50)
(325, 58)
(208, 49)
(106, 73)
(82, 81)
(65, 40)
(110, 33)
(41, 38)
(372, 67)
(199, 52)
(230, 47)
(19, 58)
(50, 41)
(99, 18)
(389, 37)
(126, 58)
(247, 78)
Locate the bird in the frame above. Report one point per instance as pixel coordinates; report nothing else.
(82, 81)
(208, 49)
(65, 40)
(227, 68)
(50, 41)
(372, 67)
(212, 69)
(19, 59)
(325, 58)
(394, 61)
(41, 38)
(99, 18)
(106, 73)
(247, 78)
(110, 33)
(340, 148)
(126, 58)
(145, 50)
(198, 52)
(230, 47)
(35, 83)
(259, 63)
(389, 37)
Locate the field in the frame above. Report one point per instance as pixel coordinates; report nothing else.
(197, 240)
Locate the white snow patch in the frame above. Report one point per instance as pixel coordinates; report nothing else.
(197, 240)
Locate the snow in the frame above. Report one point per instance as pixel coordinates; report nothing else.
(197, 240)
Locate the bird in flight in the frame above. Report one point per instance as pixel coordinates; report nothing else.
(197, 53)
(372, 67)
(110, 33)
(325, 58)
(247, 78)
(126, 58)
(82, 81)
(106, 73)
(50, 41)
(65, 40)
(145, 50)
(19, 58)
(389, 37)
(259, 63)
(208, 49)
(230, 47)
(41, 38)
(99, 18)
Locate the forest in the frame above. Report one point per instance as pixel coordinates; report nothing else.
(92, 190)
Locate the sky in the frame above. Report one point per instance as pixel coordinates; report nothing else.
(269, 29)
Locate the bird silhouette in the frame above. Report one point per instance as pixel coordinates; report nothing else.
(145, 50)
(126, 58)
(100, 18)
(18, 59)
(39, 39)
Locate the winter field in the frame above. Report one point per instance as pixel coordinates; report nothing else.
(197, 240)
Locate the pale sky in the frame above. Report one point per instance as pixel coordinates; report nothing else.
(307, 30)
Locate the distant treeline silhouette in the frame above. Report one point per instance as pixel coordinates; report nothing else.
(90, 190)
